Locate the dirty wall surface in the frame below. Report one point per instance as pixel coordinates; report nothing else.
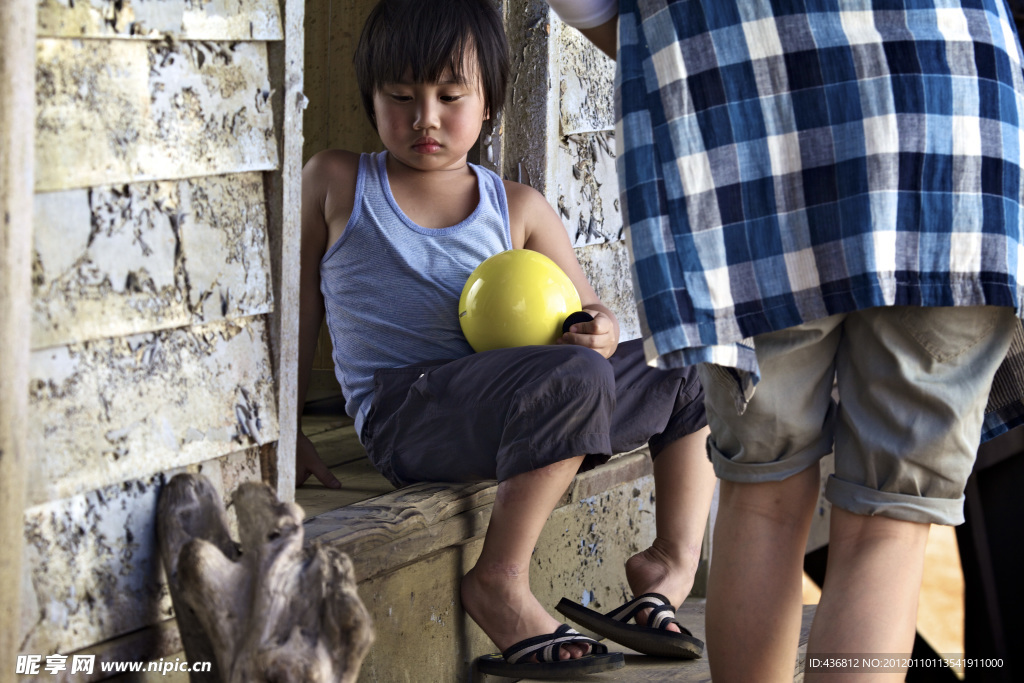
(152, 295)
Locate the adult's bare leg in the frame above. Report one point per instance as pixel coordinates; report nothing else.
(869, 600)
(755, 583)
(496, 591)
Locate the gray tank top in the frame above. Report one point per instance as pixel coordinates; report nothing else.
(391, 287)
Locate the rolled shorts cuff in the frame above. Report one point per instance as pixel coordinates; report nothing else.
(862, 500)
(597, 448)
(759, 472)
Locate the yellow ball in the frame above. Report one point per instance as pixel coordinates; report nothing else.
(516, 298)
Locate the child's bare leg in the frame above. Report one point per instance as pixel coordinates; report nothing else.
(754, 587)
(869, 600)
(684, 482)
(496, 591)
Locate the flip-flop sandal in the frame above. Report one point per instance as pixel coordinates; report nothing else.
(512, 662)
(652, 639)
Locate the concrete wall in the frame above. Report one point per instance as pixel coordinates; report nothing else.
(162, 299)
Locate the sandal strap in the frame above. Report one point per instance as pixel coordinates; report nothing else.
(662, 613)
(548, 646)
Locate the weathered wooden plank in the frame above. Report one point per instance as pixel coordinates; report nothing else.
(348, 126)
(529, 129)
(284, 202)
(158, 19)
(331, 419)
(359, 483)
(317, 81)
(112, 410)
(585, 188)
(17, 102)
(158, 643)
(557, 133)
(92, 565)
(114, 261)
(582, 167)
(407, 524)
(382, 520)
(113, 112)
(226, 247)
(416, 606)
(105, 264)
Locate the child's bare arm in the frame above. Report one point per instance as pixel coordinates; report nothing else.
(536, 226)
(322, 175)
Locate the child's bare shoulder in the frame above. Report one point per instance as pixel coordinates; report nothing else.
(331, 166)
(329, 181)
(521, 195)
(528, 212)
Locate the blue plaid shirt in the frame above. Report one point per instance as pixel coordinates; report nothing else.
(781, 161)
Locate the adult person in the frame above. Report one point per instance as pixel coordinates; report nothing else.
(820, 192)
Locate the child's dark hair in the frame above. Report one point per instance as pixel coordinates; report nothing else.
(429, 37)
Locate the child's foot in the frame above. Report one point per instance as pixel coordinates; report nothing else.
(503, 606)
(662, 569)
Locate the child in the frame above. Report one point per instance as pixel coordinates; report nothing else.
(388, 241)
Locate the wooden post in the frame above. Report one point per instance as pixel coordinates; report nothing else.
(284, 201)
(17, 150)
(274, 610)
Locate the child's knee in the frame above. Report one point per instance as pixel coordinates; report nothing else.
(587, 367)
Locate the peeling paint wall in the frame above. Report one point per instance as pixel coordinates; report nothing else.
(105, 411)
(103, 576)
(153, 302)
(148, 256)
(117, 111)
(557, 135)
(202, 20)
(583, 168)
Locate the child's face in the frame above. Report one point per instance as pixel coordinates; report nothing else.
(431, 126)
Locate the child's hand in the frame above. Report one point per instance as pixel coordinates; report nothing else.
(598, 334)
(307, 462)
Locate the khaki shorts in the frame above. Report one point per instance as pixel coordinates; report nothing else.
(913, 384)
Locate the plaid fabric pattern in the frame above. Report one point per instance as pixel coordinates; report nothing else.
(784, 160)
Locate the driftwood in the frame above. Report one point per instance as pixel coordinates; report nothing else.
(267, 610)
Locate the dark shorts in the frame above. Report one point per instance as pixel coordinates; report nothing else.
(500, 413)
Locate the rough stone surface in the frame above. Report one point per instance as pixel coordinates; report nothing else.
(121, 111)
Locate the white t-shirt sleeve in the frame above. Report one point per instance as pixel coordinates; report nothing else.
(585, 13)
